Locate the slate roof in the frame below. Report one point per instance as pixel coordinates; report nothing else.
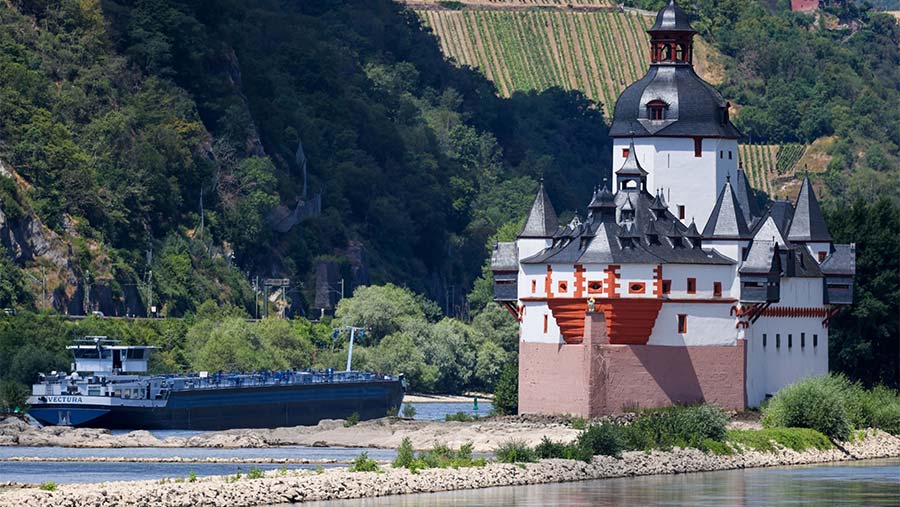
(745, 197)
(842, 261)
(727, 219)
(767, 230)
(542, 221)
(631, 166)
(606, 238)
(761, 258)
(808, 223)
(505, 257)
(672, 18)
(695, 108)
(782, 213)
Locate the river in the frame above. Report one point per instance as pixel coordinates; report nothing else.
(872, 483)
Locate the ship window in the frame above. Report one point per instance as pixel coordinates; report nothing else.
(682, 323)
(666, 286)
(595, 287)
(717, 289)
(637, 288)
(691, 285)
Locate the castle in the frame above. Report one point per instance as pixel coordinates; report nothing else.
(636, 305)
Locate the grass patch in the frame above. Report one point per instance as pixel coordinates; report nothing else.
(797, 439)
(254, 473)
(440, 456)
(578, 423)
(682, 426)
(460, 417)
(48, 486)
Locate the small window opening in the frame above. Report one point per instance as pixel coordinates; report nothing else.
(790, 341)
(691, 285)
(764, 340)
(666, 286)
(656, 110)
(637, 288)
(681, 211)
(823, 256)
(815, 340)
(717, 289)
(563, 286)
(545, 324)
(730, 155)
(682, 323)
(777, 341)
(802, 340)
(595, 287)
(625, 152)
(698, 146)
(533, 286)
(721, 154)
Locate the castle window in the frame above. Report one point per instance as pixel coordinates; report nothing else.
(790, 340)
(563, 287)
(691, 285)
(681, 211)
(666, 286)
(698, 146)
(729, 155)
(545, 324)
(656, 110)
(721, 154)
(533, 286)
(595, 287)
(743, 253)
(717, 289)
(815, 340)
(637, 288)
(679, 52)
(764, 340)
(682, 323)
(823, 256)
(625, 152)
(802, 340)
(777, 341)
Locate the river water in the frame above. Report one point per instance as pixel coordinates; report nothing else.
(872, 483)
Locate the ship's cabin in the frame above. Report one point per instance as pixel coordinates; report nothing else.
(98, 354)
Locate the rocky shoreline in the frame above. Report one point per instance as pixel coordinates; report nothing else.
(291, 486)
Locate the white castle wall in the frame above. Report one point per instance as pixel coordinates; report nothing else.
(532, 325)
(689, 181)
(707, 324)
(705, 275)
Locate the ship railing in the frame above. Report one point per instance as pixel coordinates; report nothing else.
(258, 379)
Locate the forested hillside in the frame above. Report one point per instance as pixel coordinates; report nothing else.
(169, 152)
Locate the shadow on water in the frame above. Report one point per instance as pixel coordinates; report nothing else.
(870, 483)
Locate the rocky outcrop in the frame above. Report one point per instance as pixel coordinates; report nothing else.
(301, 486)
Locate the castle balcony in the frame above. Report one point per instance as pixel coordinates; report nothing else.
(838, 290)
(760, 289)
(505, 288)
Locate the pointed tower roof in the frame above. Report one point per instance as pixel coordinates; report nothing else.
(745, 197)
(542, 221)
(672, 18)
(808, 223)
(726, 220)
(631, 167)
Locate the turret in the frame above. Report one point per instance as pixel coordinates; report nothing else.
(808, 224)
(540, 226)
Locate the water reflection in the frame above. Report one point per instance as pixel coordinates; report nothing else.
(870, 483)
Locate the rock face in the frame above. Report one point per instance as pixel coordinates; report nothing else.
(301, 486)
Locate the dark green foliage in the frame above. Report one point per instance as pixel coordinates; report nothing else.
(798, 439)
(506, 396)
(460, 417)
(255, 473)
(352, 420)
(863, 338)
(515, 451)
(819, 403)
(405, 454)
(13, 285)
(13, 395)
(682, 426)
(605, 439)
(362, 463)
(440, 456)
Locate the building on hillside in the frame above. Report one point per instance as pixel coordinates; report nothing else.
(804, 5)
(636, 304)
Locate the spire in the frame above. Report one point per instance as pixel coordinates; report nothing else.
(672, 18)
(808, 223)
(745, 197)
(693, 234)
(542, 221)
(631, 171)
(658, 206)
(726, 220)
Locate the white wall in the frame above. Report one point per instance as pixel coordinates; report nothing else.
(530, 246)
(640, 273)
(705, 275)
(707, 324)
(532, 325)
(693, 182)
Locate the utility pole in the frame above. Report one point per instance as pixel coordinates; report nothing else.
(353, 330)
(43, 287)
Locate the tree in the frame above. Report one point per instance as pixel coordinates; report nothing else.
(506, 395)
(452, 349)
(381, 309)
(489, 364)
(13, 286)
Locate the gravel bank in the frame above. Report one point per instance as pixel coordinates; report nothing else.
(300, 486)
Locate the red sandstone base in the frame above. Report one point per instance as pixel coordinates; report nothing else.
(595, 378)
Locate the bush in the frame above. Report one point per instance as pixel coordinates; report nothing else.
(819, 403)
(683, 426)
(798, 439)
(362, 463)
(506, 394)
(881, 409)
(409, 411)
(606, 439)
(515, 451)
(351, 421)
(48, 486)
(254, 473)
(13, 395)
(459, 417)
(887, 418)
(405, 454)
(549, 449)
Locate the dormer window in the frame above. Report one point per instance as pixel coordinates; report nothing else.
(628, 214)
(656, 110)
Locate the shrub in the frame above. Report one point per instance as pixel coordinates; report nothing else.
(362, 463)
(192, 476)
(515, 451)
(459, 417)
(606, 439)
(48, 486)
(254, 473)
(13, 395)
(506, 394)
(405, 455)
(881, 408)
(409, 411)
(548, 449)
(578, 423)
(819, 403)
(351, 421)
(684, 426)
(887, 418)
(798, 439)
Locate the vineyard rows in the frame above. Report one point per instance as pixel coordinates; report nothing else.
(599, 53)
(759, 161)
(516, 3)
(788, 156)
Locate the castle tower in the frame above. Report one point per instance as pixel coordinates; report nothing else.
(679, 124)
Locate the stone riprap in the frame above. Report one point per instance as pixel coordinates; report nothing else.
(299, 486)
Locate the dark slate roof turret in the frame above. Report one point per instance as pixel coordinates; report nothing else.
(628, 206)
(726, 220)
(631, 166)
(672, 18)
(659, 204)
(542, 221)
(808, 223)
(692, 232)
(745, 197)
(763, 257)
(841, 261)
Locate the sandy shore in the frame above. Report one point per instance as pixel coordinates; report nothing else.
(385, 433)
(299, 486)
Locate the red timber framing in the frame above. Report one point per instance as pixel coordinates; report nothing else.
(612, 281)
(579, 281)
(751, 313)
(629, 321)
(658, 281)
(548, 282)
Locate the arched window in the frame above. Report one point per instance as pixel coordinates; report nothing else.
(665, 53)
(679, 52)
(656, 110)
